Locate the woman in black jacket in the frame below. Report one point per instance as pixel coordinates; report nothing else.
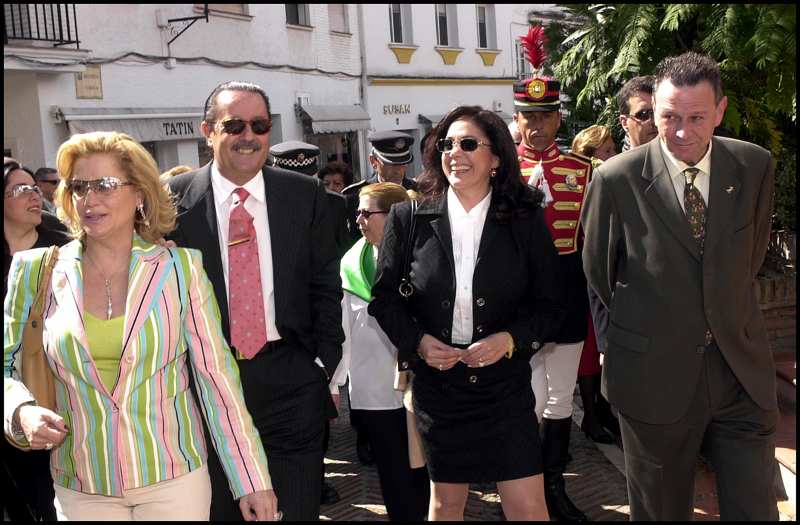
(484, 274)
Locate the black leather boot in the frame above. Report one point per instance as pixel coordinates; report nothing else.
(590, 424)
(554, 458)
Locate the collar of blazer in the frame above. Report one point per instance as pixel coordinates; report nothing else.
(725, 170)
(147, 275)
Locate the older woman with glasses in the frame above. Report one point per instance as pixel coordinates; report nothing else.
(124, 320)
(26, 226)
(466, 289)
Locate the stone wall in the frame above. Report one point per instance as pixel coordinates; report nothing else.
(777, 298)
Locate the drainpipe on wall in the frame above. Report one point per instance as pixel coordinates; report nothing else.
(363, 144)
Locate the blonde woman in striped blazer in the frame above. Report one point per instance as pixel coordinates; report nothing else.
(124, 321)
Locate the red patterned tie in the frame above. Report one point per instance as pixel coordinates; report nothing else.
(248, 328)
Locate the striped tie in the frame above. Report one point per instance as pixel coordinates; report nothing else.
(695, 207)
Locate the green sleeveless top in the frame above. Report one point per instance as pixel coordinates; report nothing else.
(105, 345)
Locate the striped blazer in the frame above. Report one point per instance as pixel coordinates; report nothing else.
(147, 428)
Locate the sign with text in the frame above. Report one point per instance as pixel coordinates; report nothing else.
(89, 84)
(397, 109)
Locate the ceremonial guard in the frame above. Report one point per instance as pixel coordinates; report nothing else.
(389, 157)
(563, 178)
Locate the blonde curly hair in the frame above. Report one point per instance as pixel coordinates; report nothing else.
(136, 162)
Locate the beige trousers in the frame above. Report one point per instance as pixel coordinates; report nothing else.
(186, 497)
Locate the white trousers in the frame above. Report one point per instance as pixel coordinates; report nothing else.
(185, 498)
(554, 370)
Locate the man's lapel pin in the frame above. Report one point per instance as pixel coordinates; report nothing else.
(729, 190)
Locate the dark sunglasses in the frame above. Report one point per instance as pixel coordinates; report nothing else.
(105, 186)
(45, 181)
(235, 126)
(367, 213)
(23, 189)
(466, 144)
(643, 115)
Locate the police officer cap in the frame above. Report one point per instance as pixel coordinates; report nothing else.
(296, 156)
(392, 147)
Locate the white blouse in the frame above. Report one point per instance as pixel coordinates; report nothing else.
(466, 229)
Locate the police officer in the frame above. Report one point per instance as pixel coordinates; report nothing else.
(389, 156)
(563, 179)
(303, 157)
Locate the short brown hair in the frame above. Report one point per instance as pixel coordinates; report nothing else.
(632, 88)
(140, 168)
(587, 141)
(689, 69)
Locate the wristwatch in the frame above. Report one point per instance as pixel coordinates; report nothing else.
(16, 428)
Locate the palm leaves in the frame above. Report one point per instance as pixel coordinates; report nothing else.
(755, 45)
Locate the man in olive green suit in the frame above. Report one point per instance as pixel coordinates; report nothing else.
(676, 231)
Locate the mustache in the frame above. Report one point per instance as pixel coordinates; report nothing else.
(247, 144)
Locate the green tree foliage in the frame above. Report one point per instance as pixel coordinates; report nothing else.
(754, 44)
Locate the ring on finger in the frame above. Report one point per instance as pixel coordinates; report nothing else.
(48, 446)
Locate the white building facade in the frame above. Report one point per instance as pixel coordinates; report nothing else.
(333, 72)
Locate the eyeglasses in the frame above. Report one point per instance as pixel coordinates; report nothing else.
(105, 186)
(235, 126)
(466, 144)
(44, 181)
(23, 189)
(642, 115)
(368, 213)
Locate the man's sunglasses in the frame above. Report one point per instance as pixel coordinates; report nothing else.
(105, 186)
(643, 115)
(23, 189)
(235, 126)
(466, 144)
(368, 213)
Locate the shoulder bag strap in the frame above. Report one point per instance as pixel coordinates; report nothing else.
(406, 289)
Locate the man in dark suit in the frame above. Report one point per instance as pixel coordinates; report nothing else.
(675, 234)
(302, 157)
(294, 286)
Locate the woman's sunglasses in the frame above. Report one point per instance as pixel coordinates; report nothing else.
(23, 189)
(643, 115)
(105, 186)
(367, 213)
(235, 126)
(466, 144)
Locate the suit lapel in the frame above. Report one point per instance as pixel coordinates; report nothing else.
(67, 286)
(199, 227)
(660, 193)
(283, 234)
(491, 229)
(724, 188)
(146, 276)
(441, 229)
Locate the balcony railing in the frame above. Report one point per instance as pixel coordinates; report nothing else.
(54, 23)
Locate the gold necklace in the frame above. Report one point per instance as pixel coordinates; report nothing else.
(107, 282)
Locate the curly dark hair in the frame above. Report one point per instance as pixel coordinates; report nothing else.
(511, 195)
(334, 167)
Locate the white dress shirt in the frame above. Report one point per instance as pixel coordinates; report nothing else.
(256, 205)
(466, 229)
(702, 180)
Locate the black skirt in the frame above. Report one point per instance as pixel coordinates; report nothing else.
(477, 425)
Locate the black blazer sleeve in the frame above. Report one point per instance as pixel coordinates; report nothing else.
(387, 305)
(541, 311)
(325, 285)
